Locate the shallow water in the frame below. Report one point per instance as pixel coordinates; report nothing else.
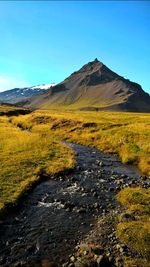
(59, 212)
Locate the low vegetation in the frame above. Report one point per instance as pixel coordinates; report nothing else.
(10, 110)
(126, 134)
(25, 157)
(136, 263)
(134, 231)
(38, 148)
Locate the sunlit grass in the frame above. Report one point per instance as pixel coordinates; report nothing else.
(135, 233)
(127, 134)
(24, 156)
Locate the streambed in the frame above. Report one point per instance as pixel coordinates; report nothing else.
(60, 212)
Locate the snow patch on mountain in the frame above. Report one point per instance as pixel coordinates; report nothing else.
(43, 86)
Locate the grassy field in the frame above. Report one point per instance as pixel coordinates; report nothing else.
(25, 157)
(9, 110)
(126, 134)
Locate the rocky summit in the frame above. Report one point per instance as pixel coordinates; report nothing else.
(94, 87)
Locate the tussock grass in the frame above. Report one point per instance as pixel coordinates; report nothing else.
(136, 263)
(127, 134)
(24, 156)
(134, 196)
(10, 110)
(136, 233)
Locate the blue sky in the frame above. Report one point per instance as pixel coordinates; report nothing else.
(45, 41)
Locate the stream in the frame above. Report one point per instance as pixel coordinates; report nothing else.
(60, 212)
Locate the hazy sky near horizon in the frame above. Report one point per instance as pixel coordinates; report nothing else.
(45, 41)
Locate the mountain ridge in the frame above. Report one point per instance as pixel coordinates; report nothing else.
(18, 94)
(93, 87)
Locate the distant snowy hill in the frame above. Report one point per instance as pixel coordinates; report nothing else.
(18, 94)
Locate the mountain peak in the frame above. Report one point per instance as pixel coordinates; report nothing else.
(93, 87)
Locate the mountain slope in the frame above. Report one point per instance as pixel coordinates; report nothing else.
(18, 94)
(94, 86)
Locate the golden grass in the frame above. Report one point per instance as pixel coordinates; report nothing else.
(12, 110)
(134, 196)
(136, 235)
(24, 156)
(127, 134)
(136, 263)
(136, 232)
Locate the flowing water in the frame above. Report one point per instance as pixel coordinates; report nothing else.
(60, 212)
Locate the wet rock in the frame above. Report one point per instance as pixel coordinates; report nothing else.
(72, 259)
(2, 260)
(95, 194)
(47, 263)
(111, 189)
(101, 164)
(126, 217)
(20, 264)
(98, 250)
(69, 206)
(119, 262)
(85, 192)
(30, 249)
(80, 264)
(103, 261)
(81, 210)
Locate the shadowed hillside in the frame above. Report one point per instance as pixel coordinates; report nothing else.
(96, 87)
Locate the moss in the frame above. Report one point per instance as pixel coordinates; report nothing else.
(136, 263)
(136, 235)
(134, 196)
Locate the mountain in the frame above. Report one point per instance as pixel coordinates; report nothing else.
(93, 87)
(19, 94)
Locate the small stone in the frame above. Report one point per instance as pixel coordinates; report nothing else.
(119, 262)
(72, 259)
(79, 264)
(81, 210)
(103, 261)
(111, 189)
(95, 194)
(126, 217)
(98, 250)
(101, 164)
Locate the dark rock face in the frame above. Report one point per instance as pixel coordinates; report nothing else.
(95, 86)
